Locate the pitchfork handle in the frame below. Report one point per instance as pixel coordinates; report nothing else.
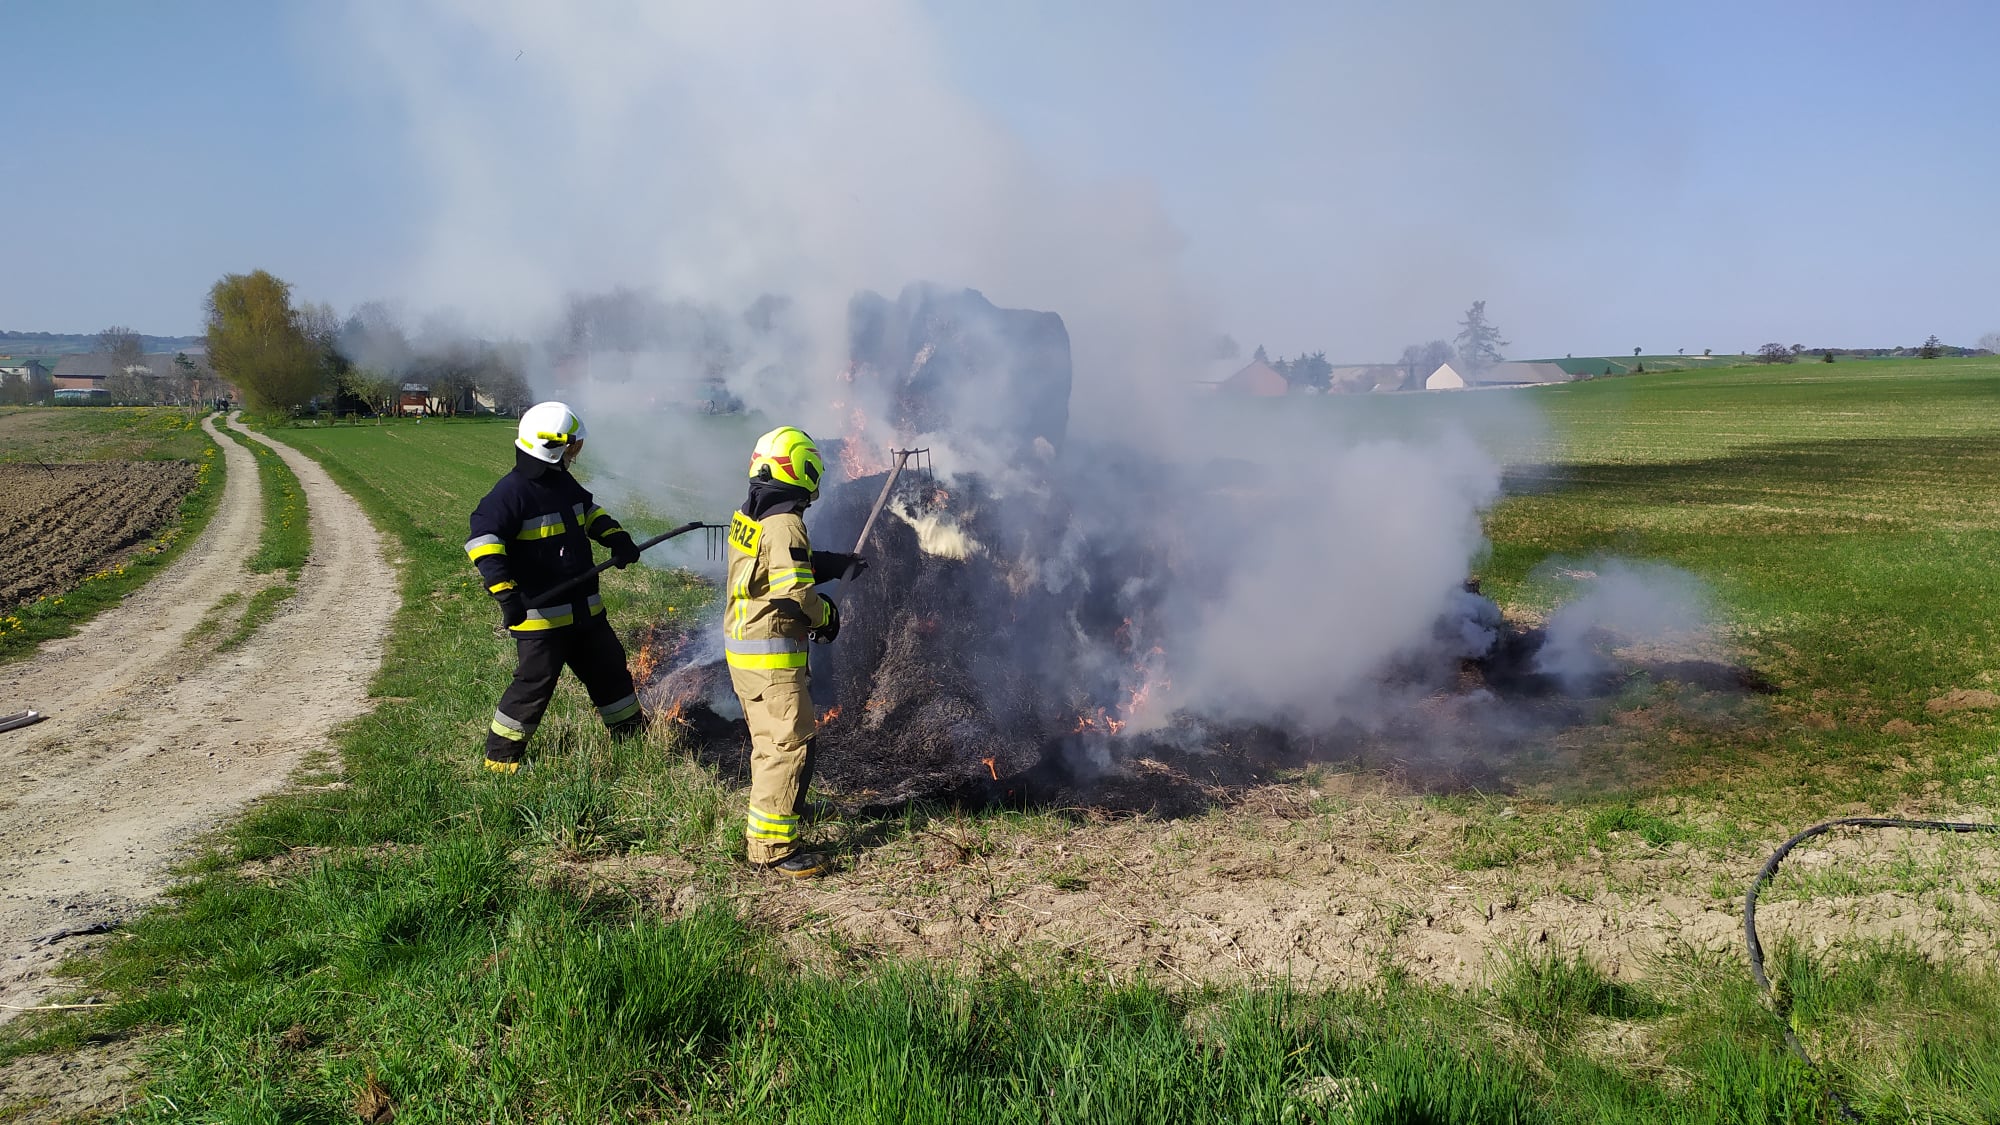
(567, 585)
(895, 471)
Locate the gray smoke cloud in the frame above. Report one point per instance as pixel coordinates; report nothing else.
(1612, 603)
(713, 157)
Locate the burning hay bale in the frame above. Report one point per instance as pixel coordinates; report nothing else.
(1103, 626)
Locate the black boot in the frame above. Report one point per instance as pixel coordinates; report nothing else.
(799, 865)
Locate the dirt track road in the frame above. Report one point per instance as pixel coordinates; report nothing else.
(152, 741)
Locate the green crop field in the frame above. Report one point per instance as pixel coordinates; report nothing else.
(409, 927)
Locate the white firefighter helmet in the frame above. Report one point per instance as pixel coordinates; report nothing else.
(547, 429)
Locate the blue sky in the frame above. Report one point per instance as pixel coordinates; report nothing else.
(1344, 176)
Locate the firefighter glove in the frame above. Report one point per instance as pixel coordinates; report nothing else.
(624, 552)
(829, 565)
(827, 632)
(513, 610)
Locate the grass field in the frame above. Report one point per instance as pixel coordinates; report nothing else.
(57, 434)
(409, 925)
(100, 433)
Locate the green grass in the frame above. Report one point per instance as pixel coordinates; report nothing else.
(287, 536)
(418, 920)
(282, 548)
(1847, 519)
(76, 434)
(109, 433)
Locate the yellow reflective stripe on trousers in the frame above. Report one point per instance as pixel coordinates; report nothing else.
(763, 826)
(510, 728)
(620, 710)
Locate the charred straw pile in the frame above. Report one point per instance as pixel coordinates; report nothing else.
(1007, 643)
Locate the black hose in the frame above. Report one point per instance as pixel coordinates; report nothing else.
(1756, 948)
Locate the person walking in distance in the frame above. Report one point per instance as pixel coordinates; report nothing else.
(531, 533)
(773, 610)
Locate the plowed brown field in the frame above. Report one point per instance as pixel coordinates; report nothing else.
(62, 523)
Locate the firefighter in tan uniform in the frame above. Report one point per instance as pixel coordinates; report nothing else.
(773, 611)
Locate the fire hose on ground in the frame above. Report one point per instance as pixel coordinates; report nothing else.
(1780, 1006)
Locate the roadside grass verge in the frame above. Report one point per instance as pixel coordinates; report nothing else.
(424, 927)
(153, 435)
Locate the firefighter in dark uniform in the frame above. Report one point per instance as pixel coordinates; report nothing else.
(529, 534)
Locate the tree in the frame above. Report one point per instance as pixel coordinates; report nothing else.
(1931, 349)
(510, 390)
(122, 345)
(1419, 360)
(1635, 353)
(320, 325)
(1311, 371)
(180, 384)
(1775, 353)
(1826, 356)
(1798, 349)
(1478, 341)
(1260, 357)
(1990, 342)
(1224, 348)
(375, 354)
(256, 342)
(125, 355)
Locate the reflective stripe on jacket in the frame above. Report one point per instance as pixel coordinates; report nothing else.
(772, 602)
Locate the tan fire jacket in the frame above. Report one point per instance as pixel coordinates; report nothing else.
(771, 597)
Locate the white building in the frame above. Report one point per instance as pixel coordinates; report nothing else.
(1444, 379)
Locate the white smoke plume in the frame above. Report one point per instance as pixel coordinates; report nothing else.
(717, 156)
(1614, 603)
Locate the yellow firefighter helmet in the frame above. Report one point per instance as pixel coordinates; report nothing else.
(787, 455)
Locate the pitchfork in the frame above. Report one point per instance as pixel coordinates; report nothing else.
(903, 457)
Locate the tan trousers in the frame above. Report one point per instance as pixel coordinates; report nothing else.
(777, 704)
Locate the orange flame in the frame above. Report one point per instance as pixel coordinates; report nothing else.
(990, 768)
(1102, 720)
(858, 455)
(832, 713)
(656, 654)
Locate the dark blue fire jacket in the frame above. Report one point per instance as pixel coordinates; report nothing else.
(532, 532)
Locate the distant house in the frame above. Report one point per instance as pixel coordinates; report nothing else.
(86, 371)
(1365, 378)
(414, 398)
(1444, 379)
(1258, 379)
(1523, 375)
(27, 374)
(32, 367)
